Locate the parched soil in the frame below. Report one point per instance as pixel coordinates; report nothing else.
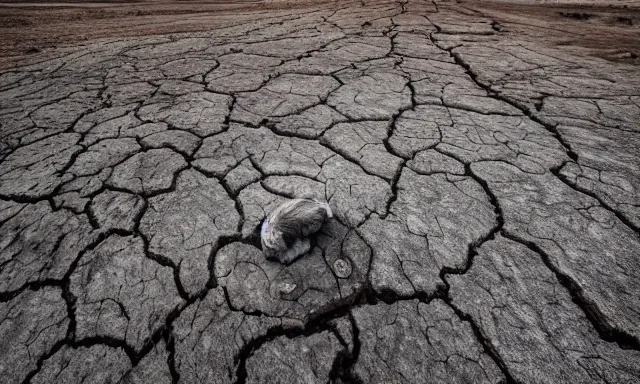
(481, 163)
(30, 30)
(611, 32)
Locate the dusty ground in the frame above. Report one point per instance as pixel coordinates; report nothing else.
(485, 183)
(608, 31)
(29, 30)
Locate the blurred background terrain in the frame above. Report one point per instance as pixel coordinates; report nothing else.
(30, 30)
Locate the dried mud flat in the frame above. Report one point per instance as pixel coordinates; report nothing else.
(484, 180)
(33, 31)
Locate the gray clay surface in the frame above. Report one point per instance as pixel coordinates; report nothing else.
(486, 193)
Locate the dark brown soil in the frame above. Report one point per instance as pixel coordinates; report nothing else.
(607, 31)
(29, 30)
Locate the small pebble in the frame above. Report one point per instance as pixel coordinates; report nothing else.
(287, 288)
(342, 268)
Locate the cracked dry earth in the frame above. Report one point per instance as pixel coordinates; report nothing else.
(485, 190)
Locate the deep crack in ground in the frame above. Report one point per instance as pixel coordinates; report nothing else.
(485, 189)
